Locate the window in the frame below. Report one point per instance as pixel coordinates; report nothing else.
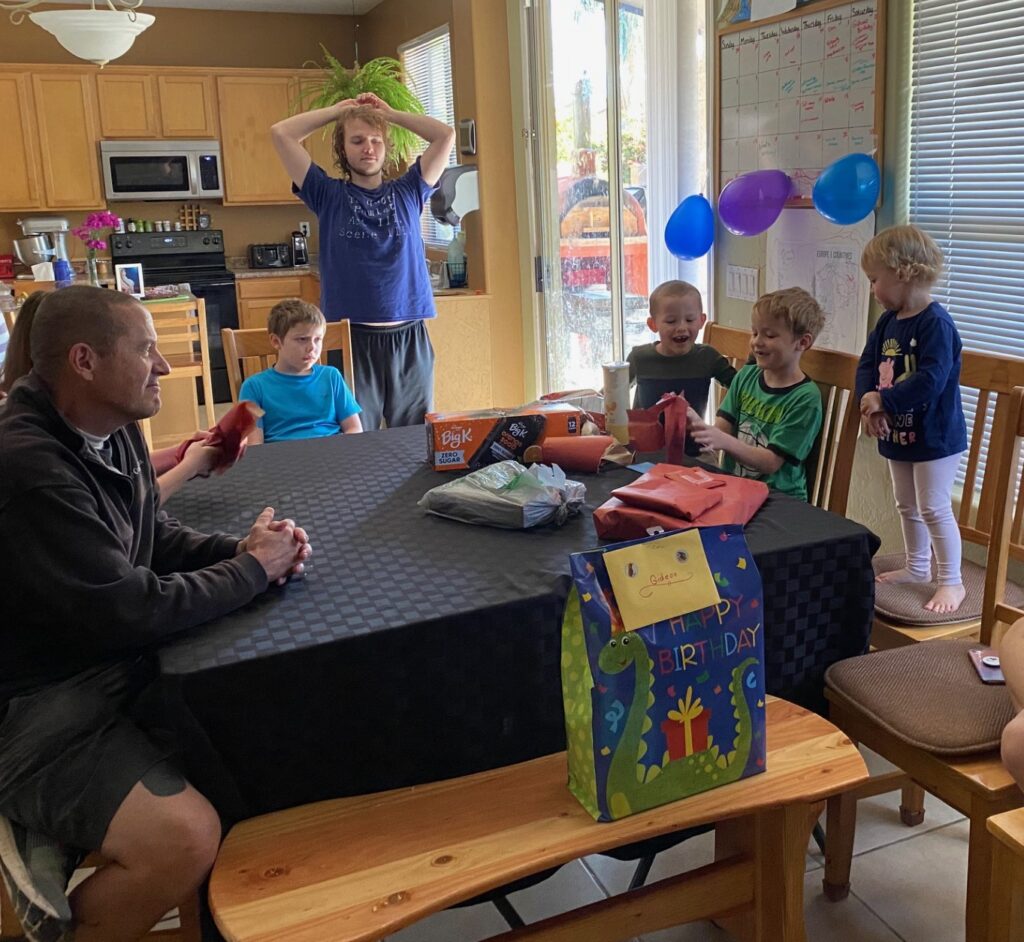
(428, 61)
(966, 173)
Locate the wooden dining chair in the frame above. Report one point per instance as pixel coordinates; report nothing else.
(181, 335)
(253, 346)
(830, 465)
(923, 708)
(900, 616)
(1006, 900)
(731, 342)
(183, 340)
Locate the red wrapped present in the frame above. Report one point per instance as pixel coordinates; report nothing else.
(651, 505)
(647, 433)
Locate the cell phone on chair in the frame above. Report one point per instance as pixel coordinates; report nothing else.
(986, 663)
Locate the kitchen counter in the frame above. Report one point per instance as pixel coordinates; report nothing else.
(297, 271)
(241, 270)
(23, 287)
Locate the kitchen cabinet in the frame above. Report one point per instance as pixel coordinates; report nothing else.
(188, 105)
(319, 144)
(65, 105)
(20, 184)
(248, 105)
(141, 105)
(461, 338)
(127, 103)
(256, 296)
(311, 289)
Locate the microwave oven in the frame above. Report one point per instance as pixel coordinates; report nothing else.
(162, 170)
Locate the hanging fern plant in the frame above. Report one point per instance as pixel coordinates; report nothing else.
(386, 79)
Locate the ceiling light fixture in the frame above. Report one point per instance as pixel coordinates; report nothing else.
(95, 35)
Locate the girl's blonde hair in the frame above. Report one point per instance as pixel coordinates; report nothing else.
(906, 250)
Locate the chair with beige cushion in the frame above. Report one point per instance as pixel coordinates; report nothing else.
(924, 709)
(253, 346)
(900, 616)
(831, 463)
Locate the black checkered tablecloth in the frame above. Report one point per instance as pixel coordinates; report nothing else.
(418, 648)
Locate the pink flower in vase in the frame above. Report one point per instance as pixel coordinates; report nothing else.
(87, 232)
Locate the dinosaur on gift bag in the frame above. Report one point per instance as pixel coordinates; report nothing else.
(633, 786)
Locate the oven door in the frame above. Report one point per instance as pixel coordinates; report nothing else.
(221, 311)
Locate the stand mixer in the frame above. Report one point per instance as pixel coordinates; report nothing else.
(45, 240)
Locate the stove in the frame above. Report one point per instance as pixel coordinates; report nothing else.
(194, 257)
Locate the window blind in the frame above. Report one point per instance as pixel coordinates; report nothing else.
(966, 174)
(427, 60)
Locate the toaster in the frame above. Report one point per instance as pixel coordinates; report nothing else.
(270, 255)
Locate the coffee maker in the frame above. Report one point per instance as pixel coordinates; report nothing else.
(300, 249)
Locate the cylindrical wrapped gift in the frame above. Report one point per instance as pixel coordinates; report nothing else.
(616, 401)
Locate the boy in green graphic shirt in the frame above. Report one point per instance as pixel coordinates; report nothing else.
(771, 415)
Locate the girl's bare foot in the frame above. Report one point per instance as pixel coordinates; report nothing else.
(947, 598)
(900, 576)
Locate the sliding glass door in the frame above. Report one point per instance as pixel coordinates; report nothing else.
(590, 74)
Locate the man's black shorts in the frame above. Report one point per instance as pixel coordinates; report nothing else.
(70, 753)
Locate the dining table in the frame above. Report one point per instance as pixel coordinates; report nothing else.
(415, 647)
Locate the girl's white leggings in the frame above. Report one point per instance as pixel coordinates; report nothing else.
(924, 499)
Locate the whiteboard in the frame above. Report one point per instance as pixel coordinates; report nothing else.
(800, 91)
(805, 250)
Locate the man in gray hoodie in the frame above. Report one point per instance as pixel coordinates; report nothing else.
(95, 577)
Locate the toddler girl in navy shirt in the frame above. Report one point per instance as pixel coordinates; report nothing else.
(908, 382)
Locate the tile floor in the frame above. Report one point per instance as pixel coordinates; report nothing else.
(908, 885)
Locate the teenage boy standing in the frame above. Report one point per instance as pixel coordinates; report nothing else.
(372, 258)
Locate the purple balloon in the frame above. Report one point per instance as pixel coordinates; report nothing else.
(751, 203)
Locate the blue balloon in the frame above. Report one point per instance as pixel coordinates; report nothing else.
(690, 230)
(847, 190)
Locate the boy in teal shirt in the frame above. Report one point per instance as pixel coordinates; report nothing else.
(300, 397)
(771, 415)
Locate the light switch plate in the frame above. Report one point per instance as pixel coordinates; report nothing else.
(741, 283)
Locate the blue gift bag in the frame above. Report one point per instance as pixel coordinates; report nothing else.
(671, 709)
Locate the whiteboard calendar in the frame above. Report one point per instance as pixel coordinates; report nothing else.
(798, 91)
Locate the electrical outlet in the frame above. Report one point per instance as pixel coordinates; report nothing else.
(304, 229)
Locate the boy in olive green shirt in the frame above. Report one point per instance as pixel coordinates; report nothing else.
(676, 362)
(771, 415)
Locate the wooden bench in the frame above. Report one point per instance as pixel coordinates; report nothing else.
(358, 869)
(1006, 897)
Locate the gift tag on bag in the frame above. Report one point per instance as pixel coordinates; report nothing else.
(660, 580)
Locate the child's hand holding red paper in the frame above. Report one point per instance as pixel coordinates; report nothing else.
(227, 437)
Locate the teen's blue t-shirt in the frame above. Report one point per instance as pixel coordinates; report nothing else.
(309, 405)
(372, 259)
(914, 363)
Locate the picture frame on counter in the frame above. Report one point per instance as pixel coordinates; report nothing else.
(129, 279)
